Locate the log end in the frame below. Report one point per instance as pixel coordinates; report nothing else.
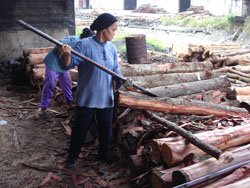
(156, 181)
(167, 155)
(180, 177)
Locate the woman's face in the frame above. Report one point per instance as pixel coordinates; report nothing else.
(109, 32)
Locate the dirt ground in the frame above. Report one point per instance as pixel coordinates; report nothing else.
(33, 148)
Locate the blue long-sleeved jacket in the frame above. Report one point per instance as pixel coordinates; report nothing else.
(94, 87)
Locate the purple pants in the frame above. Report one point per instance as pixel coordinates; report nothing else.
(49, 85)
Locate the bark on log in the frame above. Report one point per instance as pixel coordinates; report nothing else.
(204, 146)
(137, 164)
(175, 151)
(236, 53)
(216, 46)
(243, 98)
(39, 73)
(237, 175)
(211, 165)
(244, 183)
(190, 87)
(239, 73)
(178, 106)
(238, 77)
(155, 154)
(149, 69)
(39, 66)
(157, 80)
(28, 51)
(242, 90)
(36, 58)
(73, 74)
(241, 68)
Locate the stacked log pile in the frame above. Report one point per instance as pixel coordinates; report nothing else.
(185, 89)
(197, 97)
(35, 67)
(33, 63)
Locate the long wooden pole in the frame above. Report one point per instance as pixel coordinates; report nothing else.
(51, 39)
(209, 149)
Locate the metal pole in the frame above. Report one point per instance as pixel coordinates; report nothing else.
(58, 43)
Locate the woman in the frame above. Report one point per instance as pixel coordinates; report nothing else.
(94, 87)
(54, 73)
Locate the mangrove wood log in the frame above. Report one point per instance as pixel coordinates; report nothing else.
(190, 87)
(163, 178)
(242, 90)
(239, 174)
(178, 106)
(238, 77)
(239, 73)
(204, 146)
(156, 80)
(175, 151)
(28, 51)
(244, 183)
(211, 165)
(156, 68)
(36, 58)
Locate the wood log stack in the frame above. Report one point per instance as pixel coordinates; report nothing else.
(196, 96)
(35, 67)
(33, 63)
(219, 55)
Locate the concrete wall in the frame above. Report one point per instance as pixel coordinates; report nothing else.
(224, 7)
(54, 17)
(108, 4)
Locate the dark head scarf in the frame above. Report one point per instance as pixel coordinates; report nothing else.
(86, 32)
(103, 21)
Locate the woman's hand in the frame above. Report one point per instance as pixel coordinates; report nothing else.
(64, 50)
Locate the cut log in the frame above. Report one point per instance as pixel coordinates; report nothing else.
(175, 151)
(28, 51)
(216, 46)
(178, 106)
(163, 178)
(236, 53)
(155, 148)
(211, 165)
(242, 90)
(190, 87)
(38, 73)
(241, 68)
(201, 144)
(36, 58)
(244, 183)
(239, 73)
(243, 98)
(73, 74)
(237, 175)
(149, 69)
(137, 164)
(156, 80)
(39, 66)
(238, 77)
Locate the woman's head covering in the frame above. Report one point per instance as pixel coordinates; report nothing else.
(103, 21)
(86, 32)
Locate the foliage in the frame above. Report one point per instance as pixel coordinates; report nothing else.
(246, 28)
(156, 44)
(209, 22)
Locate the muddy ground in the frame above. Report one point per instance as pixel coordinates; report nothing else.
(33, 148)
